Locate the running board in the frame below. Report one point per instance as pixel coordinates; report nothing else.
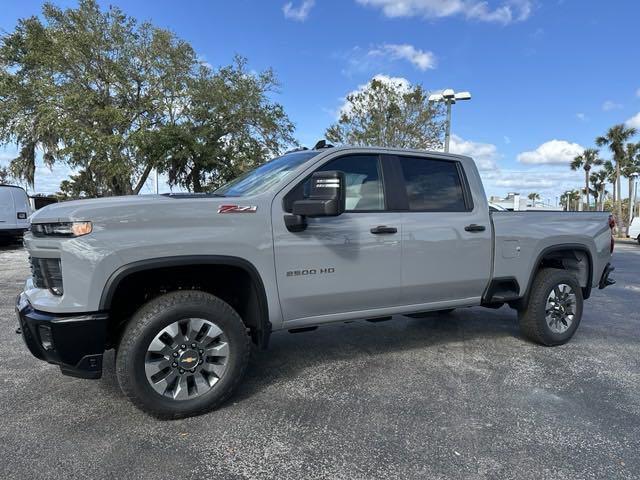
(302, 329)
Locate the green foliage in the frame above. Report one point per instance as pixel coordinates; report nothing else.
(586, 160)
(5, 175)
(230, 126)
(114, 98)
(598, 182)
(616, 138)
(569, 200)
(389, 114)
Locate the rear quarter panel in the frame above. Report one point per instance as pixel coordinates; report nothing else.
(521, 237)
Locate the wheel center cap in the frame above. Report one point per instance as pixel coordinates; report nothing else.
(188, 359)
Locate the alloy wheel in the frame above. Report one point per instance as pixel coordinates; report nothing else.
(187, 358)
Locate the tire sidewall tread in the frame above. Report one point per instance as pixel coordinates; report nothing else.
(532, 318)
(148, 321)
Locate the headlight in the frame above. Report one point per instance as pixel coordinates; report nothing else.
(61, 229)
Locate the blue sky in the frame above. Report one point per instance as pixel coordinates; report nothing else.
(547, 76)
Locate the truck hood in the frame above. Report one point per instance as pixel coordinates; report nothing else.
(81, 210)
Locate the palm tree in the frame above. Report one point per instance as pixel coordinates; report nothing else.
(615, 139)
(610, 173)
(598, 183)
(631, 165)
(567, 199)
(533, 197)
(586, 160)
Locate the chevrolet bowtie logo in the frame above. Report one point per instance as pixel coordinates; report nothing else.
(189, 360)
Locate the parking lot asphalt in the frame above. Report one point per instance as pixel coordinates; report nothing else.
(447, 396)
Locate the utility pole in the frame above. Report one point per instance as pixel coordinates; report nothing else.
(449, 97)
(632, 198)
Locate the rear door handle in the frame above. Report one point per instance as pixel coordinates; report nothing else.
(474, 228)
(383, 229)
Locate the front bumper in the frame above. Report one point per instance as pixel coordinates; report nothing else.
(75, 342)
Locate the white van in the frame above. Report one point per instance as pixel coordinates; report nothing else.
(14, 211)
(634, 229)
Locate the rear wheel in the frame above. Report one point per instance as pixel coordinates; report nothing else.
(182, 354)
(554, 309)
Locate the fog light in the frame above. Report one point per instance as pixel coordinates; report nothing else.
(46, 339)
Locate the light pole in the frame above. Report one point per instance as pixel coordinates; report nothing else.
(632, 197)
(449, 97)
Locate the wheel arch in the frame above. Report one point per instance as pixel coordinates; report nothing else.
(258, 322)
(566, 254)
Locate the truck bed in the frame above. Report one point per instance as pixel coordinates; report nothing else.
(522, 238)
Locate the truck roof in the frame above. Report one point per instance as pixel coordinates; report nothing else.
(399, 151)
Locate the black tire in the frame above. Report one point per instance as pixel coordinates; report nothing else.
(533, 316)
(154, 316)
(638, 239)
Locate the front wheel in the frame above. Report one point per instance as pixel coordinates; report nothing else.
(554, 309)
(182, 354)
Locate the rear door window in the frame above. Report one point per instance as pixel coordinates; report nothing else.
(433, 185)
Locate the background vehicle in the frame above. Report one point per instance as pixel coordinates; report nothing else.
(180, 285)
(14, 211)
(634, 229)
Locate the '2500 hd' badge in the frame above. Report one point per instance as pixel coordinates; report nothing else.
(237, 209)
(310, 271)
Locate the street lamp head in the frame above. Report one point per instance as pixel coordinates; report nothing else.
(436, 97)
(449, 94)
(463, 96)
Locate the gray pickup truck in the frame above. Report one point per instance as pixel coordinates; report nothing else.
(182, 285)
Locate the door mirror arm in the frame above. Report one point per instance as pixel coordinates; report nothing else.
(295, 223)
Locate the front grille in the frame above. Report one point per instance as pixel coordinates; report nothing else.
(47, 273)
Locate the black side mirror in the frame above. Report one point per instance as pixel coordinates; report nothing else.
(326, 199)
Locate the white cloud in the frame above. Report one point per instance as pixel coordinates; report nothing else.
(611, 105)
(421, 59)
(549, 183)
(299, 13)
(376, 58)
(485, 154)
(582, 117)
(505, 12)
(554, 152)
(634, 121)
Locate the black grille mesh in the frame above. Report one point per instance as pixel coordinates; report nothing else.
(47, 273)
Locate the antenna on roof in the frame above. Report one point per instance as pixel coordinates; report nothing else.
(322, 144)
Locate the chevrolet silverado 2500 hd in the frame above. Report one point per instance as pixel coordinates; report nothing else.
(180, 285)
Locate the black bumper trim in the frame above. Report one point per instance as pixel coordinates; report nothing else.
(605, 281)
(77, 339)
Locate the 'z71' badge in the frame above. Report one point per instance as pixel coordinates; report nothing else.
(237, 209)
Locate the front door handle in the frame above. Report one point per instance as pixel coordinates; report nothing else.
(474, 228)
(383, 229)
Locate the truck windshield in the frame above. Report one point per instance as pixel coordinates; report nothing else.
(265, 176)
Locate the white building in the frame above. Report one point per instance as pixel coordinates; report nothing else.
(515, 202)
